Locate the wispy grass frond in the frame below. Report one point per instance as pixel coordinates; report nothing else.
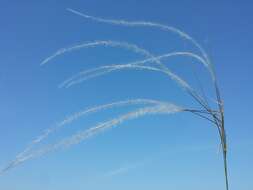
(106, 43)
(158, 108)
(144, 24)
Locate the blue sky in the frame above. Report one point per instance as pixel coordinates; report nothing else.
(178, 151)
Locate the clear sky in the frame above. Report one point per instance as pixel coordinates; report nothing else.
(178, 151)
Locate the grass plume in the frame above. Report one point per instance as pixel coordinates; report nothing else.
(215, 114)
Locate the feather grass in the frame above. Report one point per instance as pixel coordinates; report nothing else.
(214, 115)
